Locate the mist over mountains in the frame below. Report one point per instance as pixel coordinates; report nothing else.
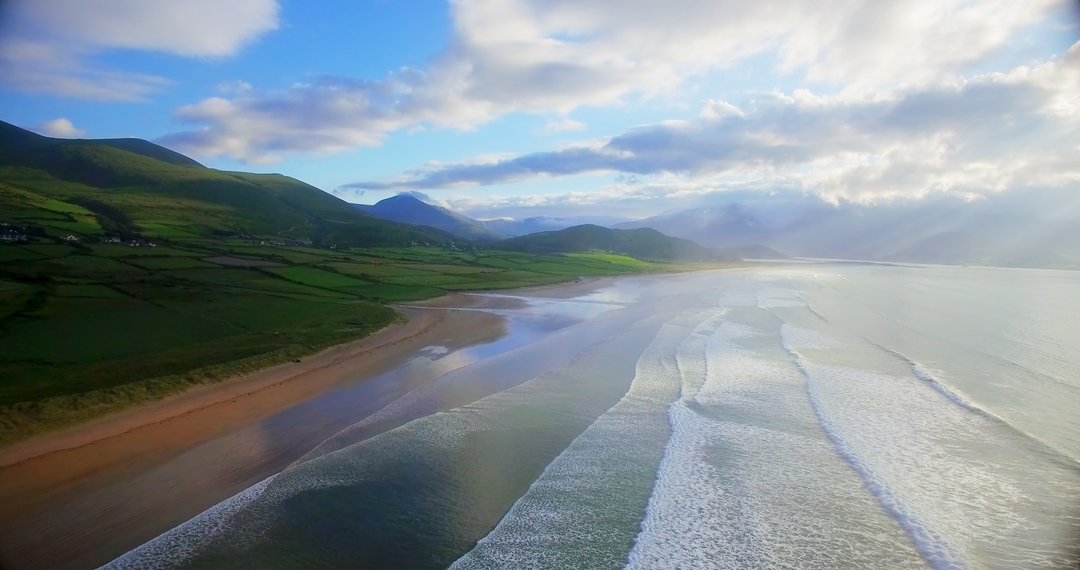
(531, 225)
(1036, 228)
(420, 209)
(1031, 229)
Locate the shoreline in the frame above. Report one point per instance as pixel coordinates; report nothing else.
(79, 497)
(200, 397)
(83, 496)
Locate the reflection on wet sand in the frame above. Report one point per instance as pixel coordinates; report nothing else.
(78, 509)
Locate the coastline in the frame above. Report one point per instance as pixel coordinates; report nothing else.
(421, 318)
(79, 497)
(202, 397)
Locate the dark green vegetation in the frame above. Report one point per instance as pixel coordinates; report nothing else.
(641, 243)
(410, 210)
(235, 280)
(88, 328)
(129, 272)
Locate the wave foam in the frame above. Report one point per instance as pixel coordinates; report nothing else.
(182, 543)
(748, 482)
(581, 511)
(959, 485)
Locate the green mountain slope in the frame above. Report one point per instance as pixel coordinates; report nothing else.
(410, 210)
(134, 186)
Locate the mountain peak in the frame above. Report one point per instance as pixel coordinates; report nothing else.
(409, 208)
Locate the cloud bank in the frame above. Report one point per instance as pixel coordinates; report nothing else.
(49, 46)
(541, 56)
(967, 136)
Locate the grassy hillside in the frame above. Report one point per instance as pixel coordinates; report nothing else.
(130, 186)
(642, 243)
(129, 272)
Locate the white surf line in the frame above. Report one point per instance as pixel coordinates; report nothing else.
(957, 397)
(950, 394)
(653, 542)
(929, 544)
(799, 296)
(183, 542)
(565, 518)
(180, 544)
(186, 541)
(682, 528)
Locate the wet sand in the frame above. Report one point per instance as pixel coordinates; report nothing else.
(79, 498)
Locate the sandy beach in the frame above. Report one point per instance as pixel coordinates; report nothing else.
(80, 497)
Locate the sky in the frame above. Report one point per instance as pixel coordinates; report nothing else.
(622, 108)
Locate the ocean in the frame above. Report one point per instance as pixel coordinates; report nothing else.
(786, 416)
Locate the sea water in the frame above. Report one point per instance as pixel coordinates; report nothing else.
(817, 416)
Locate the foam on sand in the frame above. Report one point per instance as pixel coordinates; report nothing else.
(748, 481)
(583, 511)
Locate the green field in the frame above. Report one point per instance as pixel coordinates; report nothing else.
(88, 329)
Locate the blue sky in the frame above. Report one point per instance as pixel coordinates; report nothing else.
(522, 107)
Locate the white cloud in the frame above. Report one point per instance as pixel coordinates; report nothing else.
(60, 128)
(425, 198)
(973, 136)
(564, 125)
(48, 46)
(715, 110)
(540, 56)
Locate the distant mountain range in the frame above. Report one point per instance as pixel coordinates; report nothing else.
(642, 243)
(135, 189)
(1021, 229)
(512, 227)
(413, 208)
(408, 209)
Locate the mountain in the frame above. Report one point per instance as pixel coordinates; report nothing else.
(408, 209)
(647, 244)
(92, 187)
(512, 227)
(1035, 228)
(729, 226)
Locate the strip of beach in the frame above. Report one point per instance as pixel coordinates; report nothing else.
(81, 497)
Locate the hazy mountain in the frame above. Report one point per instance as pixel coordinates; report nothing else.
(1031, 229)
(728, 226)
(512, 227)
(408, 209)
(640, 243)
